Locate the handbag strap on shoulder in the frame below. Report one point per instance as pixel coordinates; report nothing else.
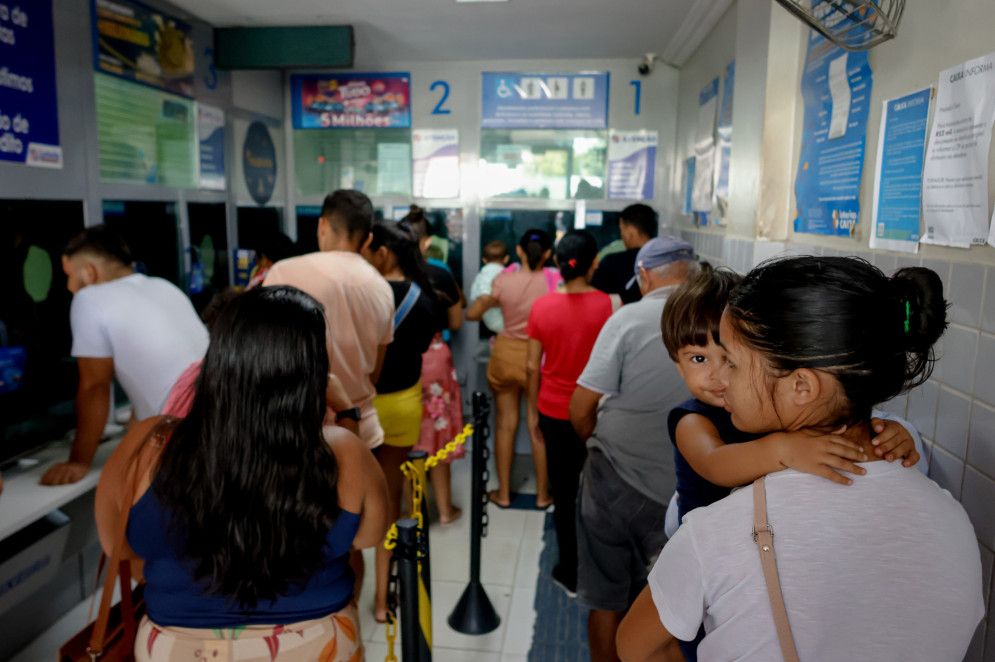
(115, 567)
(763, 536)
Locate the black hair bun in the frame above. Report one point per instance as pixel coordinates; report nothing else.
(922, 317)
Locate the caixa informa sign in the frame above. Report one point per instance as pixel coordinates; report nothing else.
(351, 101)
(544, 100)
(29, 114)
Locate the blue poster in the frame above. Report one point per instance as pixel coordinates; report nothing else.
(632, 164)
(688, 184)
(836, 87)
(211, 136)
(725, 139)
(898, 185)
(544, 101)
(245, 266)
(29, 113)
(351, 101)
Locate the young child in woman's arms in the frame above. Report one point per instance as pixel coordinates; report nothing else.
(710, 454)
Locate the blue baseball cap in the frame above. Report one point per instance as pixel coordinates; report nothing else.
(660, 251)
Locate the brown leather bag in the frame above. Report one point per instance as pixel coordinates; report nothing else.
(111, 638)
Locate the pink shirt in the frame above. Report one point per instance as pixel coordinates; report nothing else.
(181, 396)
(517, 291)
(359, 306)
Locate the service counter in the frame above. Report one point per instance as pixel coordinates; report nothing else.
(48, 544)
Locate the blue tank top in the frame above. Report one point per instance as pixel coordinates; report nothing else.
(174, 598)
(693, 491)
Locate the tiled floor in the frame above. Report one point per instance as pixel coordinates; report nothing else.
(509, 571)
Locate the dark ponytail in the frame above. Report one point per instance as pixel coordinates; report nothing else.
(398, 240)
(534, 244)
(843, 316)
(417, 223)
(575, 253)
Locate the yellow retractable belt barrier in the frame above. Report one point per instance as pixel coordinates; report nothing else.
(417, 478)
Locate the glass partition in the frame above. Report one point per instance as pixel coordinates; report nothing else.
(374, 161)
(543, 163)
(145, 136)
(151, 232)
(209, 248)
(39, 377)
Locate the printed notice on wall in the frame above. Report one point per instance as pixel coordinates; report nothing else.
(955, 180)
(836, 87)
(435, 163)
(632, 164)
(898, 178)
(29, 114)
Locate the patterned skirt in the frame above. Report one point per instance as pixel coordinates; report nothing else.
(334, 638)
(442, 405)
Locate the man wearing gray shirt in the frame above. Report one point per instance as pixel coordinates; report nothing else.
(620, 407)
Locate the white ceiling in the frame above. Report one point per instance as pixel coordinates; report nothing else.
(443, 30)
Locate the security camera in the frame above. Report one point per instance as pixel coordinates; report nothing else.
(645, 67)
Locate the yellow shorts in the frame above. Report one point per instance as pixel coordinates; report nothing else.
(400, 416)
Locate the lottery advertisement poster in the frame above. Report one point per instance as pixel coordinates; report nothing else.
(351, 101)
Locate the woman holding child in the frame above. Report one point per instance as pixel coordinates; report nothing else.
(812, 344)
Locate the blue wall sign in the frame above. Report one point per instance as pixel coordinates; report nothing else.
(544, 101)
(836, 86)
(29, 113)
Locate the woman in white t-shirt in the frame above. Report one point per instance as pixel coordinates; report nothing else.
(887, 568)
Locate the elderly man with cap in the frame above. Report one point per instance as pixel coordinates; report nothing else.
(620, 407)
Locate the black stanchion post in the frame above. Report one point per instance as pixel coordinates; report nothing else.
(474, 613)
(418, 459)
(407, 571)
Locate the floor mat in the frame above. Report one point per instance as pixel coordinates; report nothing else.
(561, 623)
(524, 501)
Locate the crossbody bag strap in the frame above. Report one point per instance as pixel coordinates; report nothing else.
(406, 304)
(763, 536)
(114, 568)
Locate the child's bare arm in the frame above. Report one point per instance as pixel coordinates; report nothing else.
(893, 442)
(732, 465)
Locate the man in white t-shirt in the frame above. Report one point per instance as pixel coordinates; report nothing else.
(142, 330)
(358, 302)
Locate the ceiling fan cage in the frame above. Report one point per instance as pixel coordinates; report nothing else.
(855, 25)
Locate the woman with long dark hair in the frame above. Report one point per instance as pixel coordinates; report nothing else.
(800, 567)
(562, 329)
(514, 291)
(244, 512)
(419, 316)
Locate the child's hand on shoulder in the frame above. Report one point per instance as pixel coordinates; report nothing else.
(893, 441)
(820, 454)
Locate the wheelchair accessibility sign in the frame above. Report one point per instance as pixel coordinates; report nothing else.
(545, 100)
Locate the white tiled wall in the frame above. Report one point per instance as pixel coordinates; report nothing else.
(955, 410)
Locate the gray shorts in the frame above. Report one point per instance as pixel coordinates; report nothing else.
(620, 533)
